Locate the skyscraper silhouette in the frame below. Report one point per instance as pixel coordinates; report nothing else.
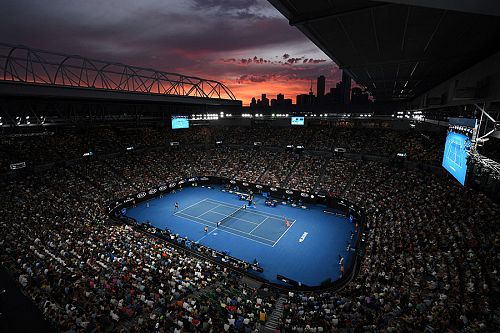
(345, 93)
(320, 86)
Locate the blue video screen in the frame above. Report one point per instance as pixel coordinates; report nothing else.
(298, 121)
(455, 155)
(180, 122)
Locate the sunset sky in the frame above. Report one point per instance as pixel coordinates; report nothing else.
(246, 44)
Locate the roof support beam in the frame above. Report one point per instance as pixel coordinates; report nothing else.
(319, 16)
(384, 63)
(484, 7)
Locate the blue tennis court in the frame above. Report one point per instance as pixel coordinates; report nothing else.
(248, 223)
(306, 251)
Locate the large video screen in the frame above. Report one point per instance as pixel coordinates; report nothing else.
(180, 122)
(455, 155)
(457, 147)
(298, 121)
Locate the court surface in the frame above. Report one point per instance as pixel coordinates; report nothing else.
(307, 251)
(454, 153)
(250, 223)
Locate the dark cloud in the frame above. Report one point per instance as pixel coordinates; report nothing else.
(260, 61)
(316, 61)
(253, 78)
(219, 39)
(224, 4)
(150, 30)
(288, 73)
(292, 61)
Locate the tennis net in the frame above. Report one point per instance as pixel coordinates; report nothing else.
(225, 219)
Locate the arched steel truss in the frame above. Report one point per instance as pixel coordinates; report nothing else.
(27, 65)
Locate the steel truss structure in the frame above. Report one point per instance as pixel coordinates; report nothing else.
(486, 127)
(22, 64)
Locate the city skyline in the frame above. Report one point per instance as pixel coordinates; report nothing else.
(246, 44)
(344, 92)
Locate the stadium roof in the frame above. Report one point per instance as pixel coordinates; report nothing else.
(396, 50)
(25, 71)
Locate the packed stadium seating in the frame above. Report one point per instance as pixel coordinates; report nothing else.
(62, 145)
(430, 263)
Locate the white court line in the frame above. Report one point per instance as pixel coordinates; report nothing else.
(267, 215)
(208, 233)
(253, 240)
(180, 211)
(210, 210)
(285, 232)
(236, 218)
(258, 225)
(251, 212)
(243, 232)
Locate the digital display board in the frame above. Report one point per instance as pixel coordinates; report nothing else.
(298, 121)
(455, 156)
(180, 122)
(457, 147)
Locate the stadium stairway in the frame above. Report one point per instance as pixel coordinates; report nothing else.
(274, 319)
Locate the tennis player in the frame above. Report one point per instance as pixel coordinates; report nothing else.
(176, 206)
(206, 228)
(287, 223)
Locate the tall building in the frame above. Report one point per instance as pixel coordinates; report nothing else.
(264, 101)
(280, 99)
(306, 99)
(345, 92)
(320, 86)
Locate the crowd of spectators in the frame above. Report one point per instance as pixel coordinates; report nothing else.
(67, 144)
(89, 275)
(277, 173)
(337, 174)
(429, 263)
(255, 168)
(306, 173)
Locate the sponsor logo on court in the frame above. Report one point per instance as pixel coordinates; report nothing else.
(304, 235)
(141, 195)
(162, 188)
